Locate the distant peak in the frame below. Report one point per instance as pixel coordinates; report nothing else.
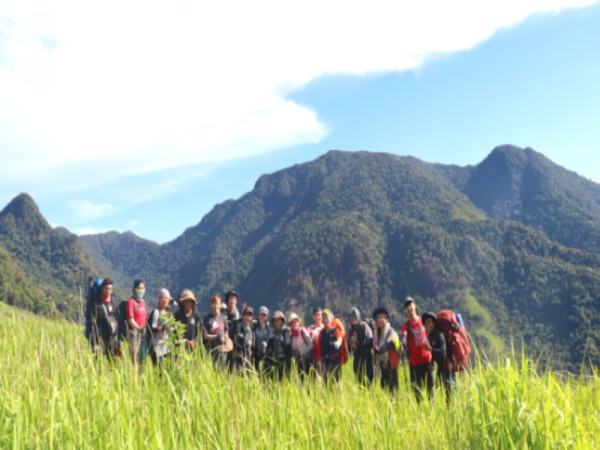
(21, 206)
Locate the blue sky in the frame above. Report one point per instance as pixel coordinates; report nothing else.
(145, 162)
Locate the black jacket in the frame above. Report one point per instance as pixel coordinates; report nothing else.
(193, 325)
(364, 336)
(243, 342)
(106, 317)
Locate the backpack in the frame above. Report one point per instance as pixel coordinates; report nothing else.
(456, 338)
(344, 347)
(92, 297)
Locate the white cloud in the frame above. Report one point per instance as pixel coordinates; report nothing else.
(133, 223)
(88, 210)
(133, 87)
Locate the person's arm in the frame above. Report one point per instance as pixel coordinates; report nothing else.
(308, 341)
(154, 320)
(130, 314)
(198, 326)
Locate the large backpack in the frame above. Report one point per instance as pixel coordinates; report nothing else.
(92, 297)
(456, 339)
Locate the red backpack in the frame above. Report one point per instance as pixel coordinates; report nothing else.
(456, 339)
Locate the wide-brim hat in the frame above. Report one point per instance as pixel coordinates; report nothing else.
(381, 310)
(187, 295)
(294, 316)
(429, 315)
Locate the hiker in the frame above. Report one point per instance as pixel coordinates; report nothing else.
(387, 349)
(315, 331)
(302, 344)
(216, 332)
(262, 334)
(243, 342)
(330, 347)
(360, 338)
(414, 337)
(279, 348)
(233, 316)
(104, 320)
(158, 347)
(136, 317)
(440, 352)
(190, 317)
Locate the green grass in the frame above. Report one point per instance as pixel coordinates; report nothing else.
(54, 394)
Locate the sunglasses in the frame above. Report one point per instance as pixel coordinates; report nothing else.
(353, 316)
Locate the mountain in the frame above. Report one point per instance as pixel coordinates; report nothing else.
(369, 228)
(113, 253)
(525, 186)
(57, 262)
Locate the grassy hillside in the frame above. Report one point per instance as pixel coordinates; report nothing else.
(61, 397)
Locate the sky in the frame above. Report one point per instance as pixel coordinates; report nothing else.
(142, 115)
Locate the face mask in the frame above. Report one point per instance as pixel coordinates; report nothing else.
(139, 293)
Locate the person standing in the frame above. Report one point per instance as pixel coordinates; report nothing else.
(262, 333)
(215, 333)
(233, 316)
(158, 347)
(315, 332)
(440, 351)
(387, 350)
(189, 316)
(279, 349)
(360, 338)
(329, 349)
(104, 316)
(136, 317)
(302, 345)
(243, 342)
(414, 338)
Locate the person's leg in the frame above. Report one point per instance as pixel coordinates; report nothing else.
(356, 366)
(415, 381)
(369, 369)
(428, 374)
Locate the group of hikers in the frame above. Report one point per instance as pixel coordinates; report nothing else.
(273, 345)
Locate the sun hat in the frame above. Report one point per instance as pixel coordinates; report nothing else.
(186, 294)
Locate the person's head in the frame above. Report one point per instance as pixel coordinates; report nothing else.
(247, 315)
(294, 321)
(164, 298)
(410, 307)
(187, 300)
(354, 317)
(231, 299)
(318, 316)
(106, 287)
(263, 315)
(327, 318)
(429, 321)
(139, 288)
(381, 317)
(278, 320)
(215, 304)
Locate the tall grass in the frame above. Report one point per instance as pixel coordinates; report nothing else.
(54, 394)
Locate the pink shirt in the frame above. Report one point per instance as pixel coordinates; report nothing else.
(136, 311)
